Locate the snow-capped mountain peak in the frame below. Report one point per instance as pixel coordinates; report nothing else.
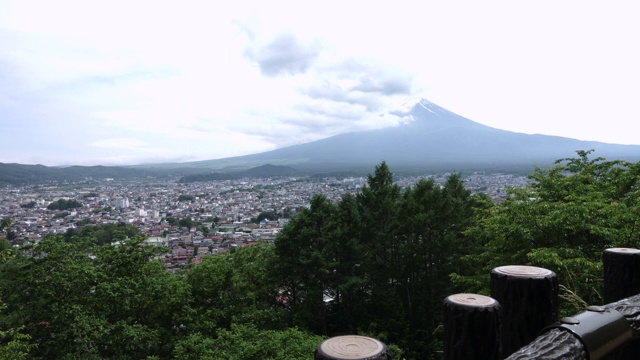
(421, 103)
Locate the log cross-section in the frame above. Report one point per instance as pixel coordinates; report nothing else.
(352, 347)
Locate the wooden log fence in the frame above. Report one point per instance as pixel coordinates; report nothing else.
(600, 332)
(519, 320)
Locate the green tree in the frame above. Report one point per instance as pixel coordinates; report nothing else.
(378, 205)
(266, 215)
(250, 343)
(306, 264)
(82, 300)
(234, 287)
(349, 289)
(431, 232)
(205, 230)
(61, 215)
(142, 306)
(14, 344)
(47, 293)
(29, 205)
(103, 234)
(64, 204)
(6, 252)
(5, 223)
(563, 221)
(186, 222)
(377, 263)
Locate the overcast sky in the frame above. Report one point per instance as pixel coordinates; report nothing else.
(128, 82)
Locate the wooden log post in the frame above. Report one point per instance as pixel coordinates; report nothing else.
(352, 347)
(471, 327)
(621, 280)
(621, 273)
(529, 299)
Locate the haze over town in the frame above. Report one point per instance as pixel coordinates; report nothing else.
(127, 83)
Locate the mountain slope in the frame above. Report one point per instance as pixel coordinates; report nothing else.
(19, 174)
(433, 136)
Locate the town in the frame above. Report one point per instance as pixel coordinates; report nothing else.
(196, 219)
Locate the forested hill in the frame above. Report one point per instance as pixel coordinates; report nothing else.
(19, 174)
(264, 171)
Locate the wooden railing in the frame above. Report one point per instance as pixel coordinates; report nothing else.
(519, 321)
(524, 325)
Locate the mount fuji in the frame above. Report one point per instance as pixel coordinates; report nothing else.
(432, 137)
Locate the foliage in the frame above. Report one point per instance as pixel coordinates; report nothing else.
(103, 234)
(5, 223)
(378, 262)
(61, 215)
(186, 198)
(204, 229)
(85, 222)
(82, 300)
(186, 222)
(64, 204)
(29, 205)
(6, 252)
(19, 174)
(14, 345)
(249, 343)
(266, 215)
(563, 221)
(232, 287)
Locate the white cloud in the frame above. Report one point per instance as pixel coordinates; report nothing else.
(118, 143)
(199, 80)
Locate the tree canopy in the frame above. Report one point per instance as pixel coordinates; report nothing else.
(64, 204)
(562, 221)
(80, 298)
(378, 262)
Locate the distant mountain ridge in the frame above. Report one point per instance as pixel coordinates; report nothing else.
(19, 174)
(264, 171)
(431, 139)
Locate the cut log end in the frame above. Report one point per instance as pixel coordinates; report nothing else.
(623, 250)
(352, 347)
(523, 271)
(473, 300)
